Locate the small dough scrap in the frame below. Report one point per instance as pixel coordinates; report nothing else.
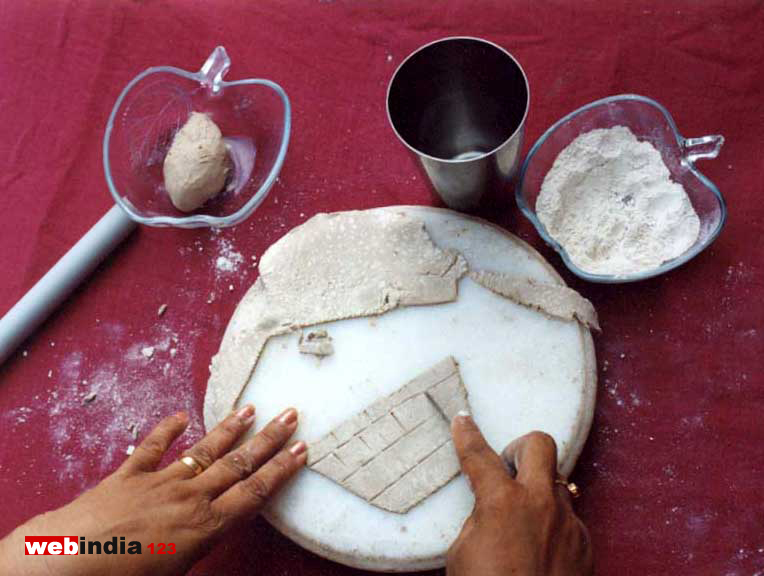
(332, 267)
(555, 300)
(318, 343)
(398, 451)
(196, 165)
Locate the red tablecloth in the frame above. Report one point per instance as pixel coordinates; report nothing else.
(672, 473)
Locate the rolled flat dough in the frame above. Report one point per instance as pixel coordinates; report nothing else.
(397, 451)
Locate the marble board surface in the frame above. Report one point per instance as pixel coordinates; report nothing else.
(523, 371)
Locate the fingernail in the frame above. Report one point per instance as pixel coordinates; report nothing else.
(182, 417)
(246, 414)
(463, 415)
(288, 416)
(298, 448)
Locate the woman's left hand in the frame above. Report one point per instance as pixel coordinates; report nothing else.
(172, 508)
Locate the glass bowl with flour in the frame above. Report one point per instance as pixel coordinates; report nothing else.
(612, 187)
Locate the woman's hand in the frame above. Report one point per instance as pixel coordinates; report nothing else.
(173, 506)
(523, 526)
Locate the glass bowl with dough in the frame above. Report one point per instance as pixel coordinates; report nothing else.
(253, 116)
(649, 122)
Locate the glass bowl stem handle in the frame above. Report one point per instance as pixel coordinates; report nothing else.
(214, 68)
(704, 147)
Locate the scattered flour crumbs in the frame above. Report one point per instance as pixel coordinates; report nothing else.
(610, 202)
(97, 413)
(228, 259)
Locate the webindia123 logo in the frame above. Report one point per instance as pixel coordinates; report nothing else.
(73, 545)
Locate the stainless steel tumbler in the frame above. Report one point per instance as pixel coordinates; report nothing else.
(460, 105)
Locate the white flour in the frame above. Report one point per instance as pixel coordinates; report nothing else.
(610, 202)
(228, 260)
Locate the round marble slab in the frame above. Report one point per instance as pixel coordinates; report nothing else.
(522, 369)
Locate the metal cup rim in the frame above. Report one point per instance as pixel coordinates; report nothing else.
(517, 130)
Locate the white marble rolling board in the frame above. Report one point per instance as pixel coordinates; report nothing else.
(522, 369)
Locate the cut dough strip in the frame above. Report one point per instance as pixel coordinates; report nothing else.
(555, 300)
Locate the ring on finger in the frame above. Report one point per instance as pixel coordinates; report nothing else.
(193, 464)
(571, 487)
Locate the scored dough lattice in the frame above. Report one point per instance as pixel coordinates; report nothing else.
(398, 451)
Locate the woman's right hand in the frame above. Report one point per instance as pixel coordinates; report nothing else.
(522, 526)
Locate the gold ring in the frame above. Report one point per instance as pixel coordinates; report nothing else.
(571, 487)
(189, 461)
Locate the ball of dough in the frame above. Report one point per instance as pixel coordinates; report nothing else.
(196, 165)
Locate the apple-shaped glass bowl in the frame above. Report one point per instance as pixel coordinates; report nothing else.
(253, 115)
(650, 122)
